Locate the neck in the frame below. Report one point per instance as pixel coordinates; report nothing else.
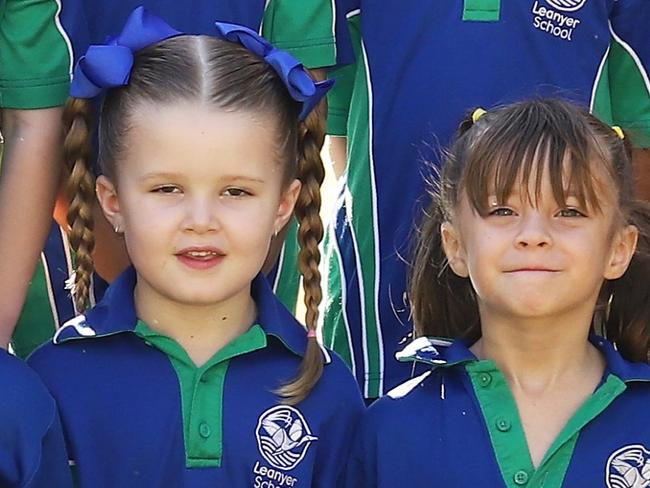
(537, 355)
(202, 330)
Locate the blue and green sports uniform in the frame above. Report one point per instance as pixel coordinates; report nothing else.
(136, 411)
(32, 450)
(457, 425)
(309, 29)
(35, 59)
(421, 66)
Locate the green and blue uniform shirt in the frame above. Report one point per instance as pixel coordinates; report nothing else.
(35, 58)
(421, 66)
(32, 450)
(309, 29)
(457, 425)
(136, 411)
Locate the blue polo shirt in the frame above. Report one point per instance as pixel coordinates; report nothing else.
(457, 425)
(137, 412)
(32, 451)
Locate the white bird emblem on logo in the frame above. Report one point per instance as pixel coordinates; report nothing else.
(629, 467)
(283, 436)
(286, 437)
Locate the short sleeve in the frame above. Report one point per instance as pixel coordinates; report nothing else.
(305, 28)
(339, 97)
(628, 65)
(34, 55)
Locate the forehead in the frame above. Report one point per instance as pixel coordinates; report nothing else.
(540, 172)
(191, 138)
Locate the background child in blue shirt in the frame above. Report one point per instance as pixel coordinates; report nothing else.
(32, 452)
(190, 372)
(533, 244)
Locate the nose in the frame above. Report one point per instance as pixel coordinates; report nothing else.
(201, 215)
(534, 231)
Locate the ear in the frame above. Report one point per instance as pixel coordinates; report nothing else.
(621, 253)
(287, 203)
(107, 196)
(454, 250)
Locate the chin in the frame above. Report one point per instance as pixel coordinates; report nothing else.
(529, 307)
(202, 298)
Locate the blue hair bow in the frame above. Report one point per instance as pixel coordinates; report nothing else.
(300, 84)
(109, 65)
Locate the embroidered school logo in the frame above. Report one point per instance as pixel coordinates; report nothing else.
(566, 5)
(629, 467)
(283, 436)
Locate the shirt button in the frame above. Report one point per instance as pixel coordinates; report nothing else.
(485, 379)
(520, 477)
(503, 425)
(204, 430)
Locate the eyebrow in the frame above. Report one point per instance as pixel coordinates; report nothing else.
(176, 176)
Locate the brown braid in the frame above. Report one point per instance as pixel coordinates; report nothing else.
(310, 232)
(77, 118)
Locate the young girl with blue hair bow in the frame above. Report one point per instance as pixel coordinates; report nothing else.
(190, 372)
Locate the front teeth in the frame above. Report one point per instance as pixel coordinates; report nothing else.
(201, 254)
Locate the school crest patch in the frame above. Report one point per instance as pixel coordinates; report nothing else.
(628, 467)
(283, 436)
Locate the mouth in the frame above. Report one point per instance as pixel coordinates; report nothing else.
(539, 269)
(200, 257)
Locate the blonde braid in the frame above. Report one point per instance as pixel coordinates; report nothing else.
(310, 232)
(77, 120)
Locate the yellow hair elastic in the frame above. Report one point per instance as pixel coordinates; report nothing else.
(619, 131)
(477, 114)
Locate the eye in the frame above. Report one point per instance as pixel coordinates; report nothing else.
(236, 192)
(167, 189)
(501, 212)
(571, 212)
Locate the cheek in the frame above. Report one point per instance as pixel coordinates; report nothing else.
(150, 221)
(252, 225)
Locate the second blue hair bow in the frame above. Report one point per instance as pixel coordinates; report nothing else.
(300, 84)
(109, 65)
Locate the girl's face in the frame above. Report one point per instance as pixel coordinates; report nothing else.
(198, 195)
(538, 260)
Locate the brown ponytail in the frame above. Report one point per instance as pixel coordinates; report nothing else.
(442, 303)
(77, 120)
(310, 232)
(627, 319)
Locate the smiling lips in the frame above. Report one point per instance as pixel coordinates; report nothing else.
(200, 257)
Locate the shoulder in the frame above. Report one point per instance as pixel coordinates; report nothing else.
(18, 380)
(433, 360)
(338, 383)
(24, 397)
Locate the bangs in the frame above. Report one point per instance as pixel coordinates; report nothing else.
(515, 154)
